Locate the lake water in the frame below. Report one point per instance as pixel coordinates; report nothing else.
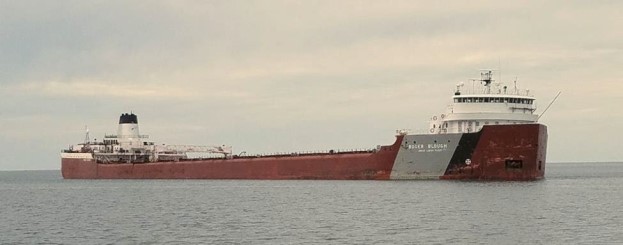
(577, 203)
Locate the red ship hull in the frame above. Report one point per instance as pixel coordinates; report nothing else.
(497, 152)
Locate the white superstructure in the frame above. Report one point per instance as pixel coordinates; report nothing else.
(128, 138)
(485, 102)
(128, 145)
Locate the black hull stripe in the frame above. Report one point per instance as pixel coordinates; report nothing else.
(463, 151)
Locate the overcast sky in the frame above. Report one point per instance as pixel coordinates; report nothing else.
(269, 76)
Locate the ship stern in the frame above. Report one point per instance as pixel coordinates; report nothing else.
(78, 166)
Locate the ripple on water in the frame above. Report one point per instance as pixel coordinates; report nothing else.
(576, 203)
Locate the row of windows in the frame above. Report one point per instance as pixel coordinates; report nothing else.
(493, 100)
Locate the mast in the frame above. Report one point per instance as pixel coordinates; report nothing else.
(87, 139)
(486, 78)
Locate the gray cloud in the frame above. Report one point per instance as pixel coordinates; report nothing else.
(279, 76)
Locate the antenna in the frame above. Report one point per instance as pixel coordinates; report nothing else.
(86, 136)
(550, 104)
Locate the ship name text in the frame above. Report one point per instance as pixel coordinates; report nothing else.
(427, 147)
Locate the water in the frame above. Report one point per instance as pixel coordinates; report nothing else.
(576, 203)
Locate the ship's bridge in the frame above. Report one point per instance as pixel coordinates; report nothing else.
(484, 102)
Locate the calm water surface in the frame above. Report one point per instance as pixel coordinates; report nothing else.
(577, 203)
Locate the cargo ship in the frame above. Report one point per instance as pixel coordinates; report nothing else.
(488, 132)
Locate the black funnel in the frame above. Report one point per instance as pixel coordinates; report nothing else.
(128, 118)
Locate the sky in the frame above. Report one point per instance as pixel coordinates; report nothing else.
(282, 76)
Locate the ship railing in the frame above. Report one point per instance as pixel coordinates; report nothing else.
(308, 153)
(283, 154)
(114, 136)
(495, 91)
(422, 131)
